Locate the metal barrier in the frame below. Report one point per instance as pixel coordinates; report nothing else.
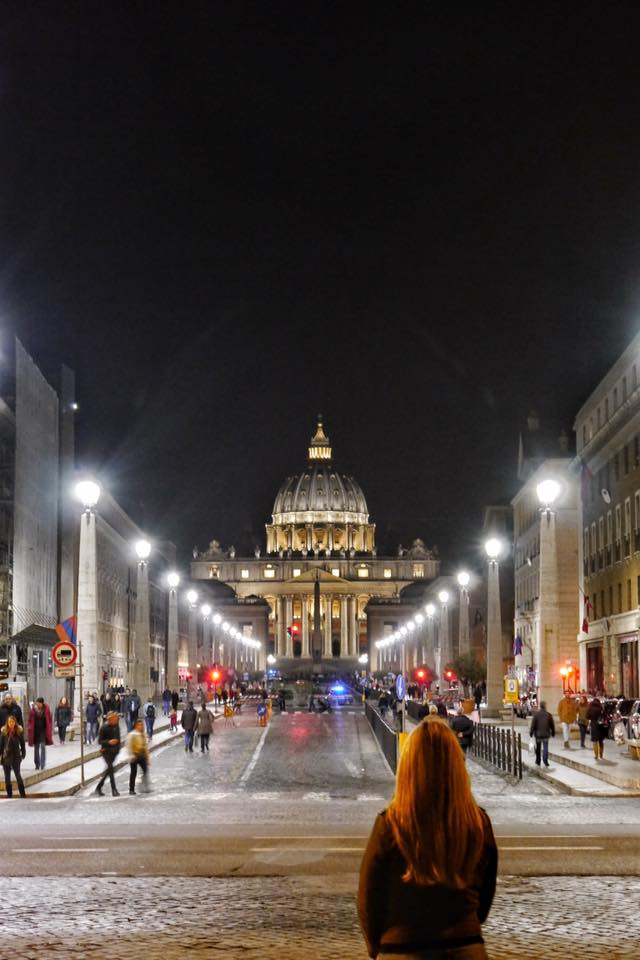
(414, 707)
(499, 747)
(384, 734)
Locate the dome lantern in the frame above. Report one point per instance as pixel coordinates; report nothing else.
(320, 449)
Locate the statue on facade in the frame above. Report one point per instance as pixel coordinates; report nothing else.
(213, 550)
(256, 552)
(232, 552)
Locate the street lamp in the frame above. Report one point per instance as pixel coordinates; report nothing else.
(548, 492)
(493, 548)
(463, 578)
(171, 672)
(88, 493)
(192, 597)
(142, 661)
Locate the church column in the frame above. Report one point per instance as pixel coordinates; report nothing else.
(326, 647)
(344, 627)
(347, 535)
(354, 647)
(279, 624)
(288, 616)
(308, 537)
(305, 627)
(330, 536)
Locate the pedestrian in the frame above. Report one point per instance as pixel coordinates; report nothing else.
(109, 702)
(173, 720)
(10, 708)
(542, 728)
(189, 720)
(462, 726)
(109, 739)
(12, 752)
(175, 699)
(441, 707)
(138, 752)
(428, 875)
(583, 719)
(149, 714)
(599, 727)
(131, 706)
(383, 703)
(166, 701)
(282, 700)
(92, 713)
(568, 714)
(433, 710)
(40, 731)
(204, 727)
(118, 705)
(477, 695)
(63, 717)
(227, 713)
(312, 704)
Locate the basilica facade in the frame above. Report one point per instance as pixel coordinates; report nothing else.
(319, 571)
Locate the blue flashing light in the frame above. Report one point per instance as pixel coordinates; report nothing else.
(337, 689)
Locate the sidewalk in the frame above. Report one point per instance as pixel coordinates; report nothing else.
(61, 776)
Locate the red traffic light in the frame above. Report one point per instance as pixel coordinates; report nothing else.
(421, 674)
(215, 675)
(295, 628)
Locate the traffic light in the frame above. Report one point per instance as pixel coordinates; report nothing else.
(421, 674)
(215, 675)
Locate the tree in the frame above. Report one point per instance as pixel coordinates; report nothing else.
(470, 671)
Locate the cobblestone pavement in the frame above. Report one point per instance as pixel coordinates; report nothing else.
(295, 918)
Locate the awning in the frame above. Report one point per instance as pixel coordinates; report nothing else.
(36, 636)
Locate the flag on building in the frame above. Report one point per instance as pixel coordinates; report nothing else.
(517, 646)
(67, 630)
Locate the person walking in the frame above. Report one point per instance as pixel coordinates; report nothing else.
(542, 728)
(166, 701)
(138, 751)
(462, 726)
(92, 714)
(10, 708)
(149, 714)
(583, 719)
(131, 707)
(175, 700)
(568, 714)
(188, 721)
(40, 731)
(598, 727)
(204, 727)
(12, 753)
(109, 740)
(428, 875)
(63, 716)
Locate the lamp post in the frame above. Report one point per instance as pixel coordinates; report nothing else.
(445, 643)
(88, 493)
(142, 664)
(171, 673)
(207, 638)
(495, 676)
(464, 644)
(430, 611)
(548, 640)
(192, 600)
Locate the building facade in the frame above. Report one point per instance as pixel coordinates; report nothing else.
(321, 568)
(608, 456)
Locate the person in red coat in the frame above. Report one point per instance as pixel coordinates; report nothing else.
(40, 731)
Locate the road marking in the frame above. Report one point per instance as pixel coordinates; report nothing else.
(305, 837)
(254, 759)
(551, 848)
(306, 849)
(324, 797)
(547, 836)
(60, 850)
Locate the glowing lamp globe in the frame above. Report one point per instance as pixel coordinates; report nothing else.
(443, 596)
(493, 547)
(143, 549)
(548, 492)
(463, 578)
(88, 493)
(173, 580)
(192, 597)
(430, 609)
(205, 610)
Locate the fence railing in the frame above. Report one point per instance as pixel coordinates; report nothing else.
(499, 747)
(384, 734)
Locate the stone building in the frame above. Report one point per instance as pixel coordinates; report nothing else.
(321, 568)
(608, 449)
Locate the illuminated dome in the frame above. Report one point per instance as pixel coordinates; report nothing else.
(320, 508)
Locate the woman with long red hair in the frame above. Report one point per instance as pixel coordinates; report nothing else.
(428, 876)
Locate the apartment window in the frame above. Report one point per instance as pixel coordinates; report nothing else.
(584, 434)
(586, 542)
(386, 573)
(603, 611)
(598, 423)
(594, 545)
(627, 516)
(418, 569)
(625, 458)
(363, 572)
(609, 528)
(297, 571)
(619, 598)
(601, 533)
(615, 399)
(618, 522)
(244, 574)
(628, 594)
(624, 389)
(268, 572)
(335, 571)
(590, 428)
(616, 466)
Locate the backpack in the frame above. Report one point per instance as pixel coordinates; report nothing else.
(151, 712)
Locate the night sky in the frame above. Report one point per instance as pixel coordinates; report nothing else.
(226, 217)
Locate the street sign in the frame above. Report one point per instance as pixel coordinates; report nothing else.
(401, 687)
(511, 693)
(64, 672)
(64, 654)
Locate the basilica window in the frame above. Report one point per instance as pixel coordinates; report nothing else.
(363, 572)
(244, 574)
(297, 571)
(268, 572)
(214, 572)
(335, 571)
(386, 573)
(418, 569)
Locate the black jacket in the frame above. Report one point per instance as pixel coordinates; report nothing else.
(12, 748)
(13, 711)
(63, 715)
(109, 732)
(542, 725)
(463, 729)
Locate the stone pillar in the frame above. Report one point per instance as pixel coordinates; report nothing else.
(87, 624)
(308, 537)
(330, 536)
(464, 641)
(354, 645)
(279, 645)
(171, 672)
(445, 642)
(142, 681)
(326, 646)
(288, 616)
(347, 533)
(193, 648)
(549, 679)
(495, 676)
(345, 649)
(306, 653)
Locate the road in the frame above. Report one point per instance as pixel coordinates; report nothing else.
(262, 840)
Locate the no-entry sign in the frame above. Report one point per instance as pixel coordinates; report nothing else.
(64, 654)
